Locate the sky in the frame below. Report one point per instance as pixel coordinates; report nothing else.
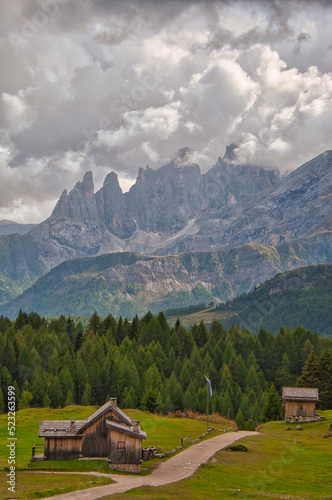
(107, 85)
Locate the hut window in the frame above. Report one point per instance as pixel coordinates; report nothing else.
(121, 445)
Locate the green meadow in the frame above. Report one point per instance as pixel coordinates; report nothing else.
(163, 432)
(279, 464)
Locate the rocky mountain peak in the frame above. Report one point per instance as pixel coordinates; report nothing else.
(184, 157)
(230, 153)
(86, 186)
(111, 179)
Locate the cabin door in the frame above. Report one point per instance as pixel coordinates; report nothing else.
(300, 411)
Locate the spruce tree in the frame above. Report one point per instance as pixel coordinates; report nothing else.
(149, 401)
(2, 402)
(87, 395)
(239, 420)
(271, 409)
(25, 399)
(325, 386)
(310, 373)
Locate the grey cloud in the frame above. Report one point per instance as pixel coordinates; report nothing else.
(107, 85)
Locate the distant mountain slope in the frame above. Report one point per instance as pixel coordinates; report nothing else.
(128, 283)
(19, 265)
(300, 297)
(177, 209)
(10, 227)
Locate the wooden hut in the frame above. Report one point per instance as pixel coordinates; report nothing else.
(108, 433)
(300, 404)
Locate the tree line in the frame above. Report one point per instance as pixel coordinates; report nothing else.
(148, 364)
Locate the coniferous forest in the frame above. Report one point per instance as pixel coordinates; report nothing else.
(150, 365)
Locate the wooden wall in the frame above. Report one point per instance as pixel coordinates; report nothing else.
(300, 409)
(62, 448)
(124, 449)
(96, 439)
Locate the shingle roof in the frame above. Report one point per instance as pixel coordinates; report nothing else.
(110, 405)
(300, 393)
(132, 430)
(74, 428)
(60, 428)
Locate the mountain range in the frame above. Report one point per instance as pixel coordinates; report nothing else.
(233, 210)
(10, 227)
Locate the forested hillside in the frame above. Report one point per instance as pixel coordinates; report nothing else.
(299, 297)
(148, 364)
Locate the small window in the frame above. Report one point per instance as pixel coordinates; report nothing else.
(121, 446)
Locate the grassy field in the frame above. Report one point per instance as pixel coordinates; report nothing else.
(35, 485)
(207, 315)
(163, 432)
(280, 464)
(27, 424)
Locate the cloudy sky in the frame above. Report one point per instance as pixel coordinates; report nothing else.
(107, 85)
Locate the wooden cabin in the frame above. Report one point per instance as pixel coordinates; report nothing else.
(300, 404)
(108, 433)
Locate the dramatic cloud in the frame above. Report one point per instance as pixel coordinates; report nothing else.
(114, 85)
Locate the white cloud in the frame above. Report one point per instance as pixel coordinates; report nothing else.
(107, 85)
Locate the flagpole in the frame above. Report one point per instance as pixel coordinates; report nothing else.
(207, 404)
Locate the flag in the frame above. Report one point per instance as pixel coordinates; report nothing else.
(210, 387)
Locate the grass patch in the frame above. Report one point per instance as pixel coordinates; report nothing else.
(206, 315)
(34, 485)
(27, 425)
(167, 432)
(280, 464)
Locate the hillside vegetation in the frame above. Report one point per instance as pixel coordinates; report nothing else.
(129, 283)
(150, 365)
(299, 297)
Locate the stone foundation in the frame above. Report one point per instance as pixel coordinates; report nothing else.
(292, 419)
(133, 468)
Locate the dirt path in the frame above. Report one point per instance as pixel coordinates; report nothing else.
(174, 469)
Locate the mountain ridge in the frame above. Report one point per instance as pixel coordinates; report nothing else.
(175, 209)
(127, 283)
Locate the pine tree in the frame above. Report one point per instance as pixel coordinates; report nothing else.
(189, 398)
(39, 388)
(87, 395)
(310, 373)
(94, 323)
(69, 399)
(271, 409)
(55, 393)
(239, 420)
(129, 399)
(225, 405)
(25, 399)
(325, 386)
(2, 402)
(149, 401)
